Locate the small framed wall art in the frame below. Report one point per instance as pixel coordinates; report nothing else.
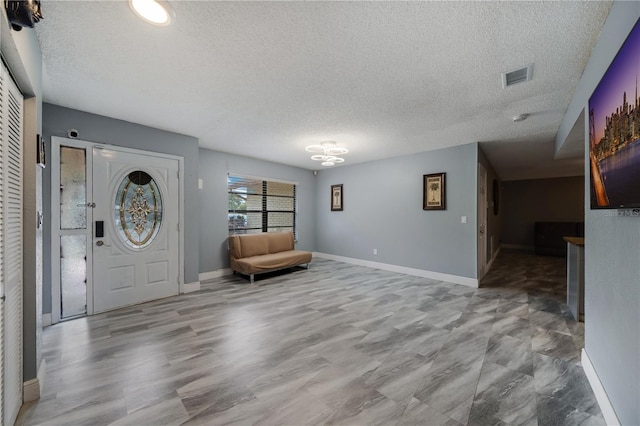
(433, 193)
(336, 198)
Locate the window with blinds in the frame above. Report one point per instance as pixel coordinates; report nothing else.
(258, 205)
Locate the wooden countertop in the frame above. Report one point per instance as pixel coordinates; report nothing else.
(576, 241)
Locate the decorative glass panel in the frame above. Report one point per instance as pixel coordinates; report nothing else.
(138, 209)
(73, 188)
(73, 275)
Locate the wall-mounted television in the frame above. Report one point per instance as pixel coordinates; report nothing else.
(614, 131)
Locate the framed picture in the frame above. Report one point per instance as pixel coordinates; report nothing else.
(41, 158)
(614, 140)
(336, 198)
(433, 194)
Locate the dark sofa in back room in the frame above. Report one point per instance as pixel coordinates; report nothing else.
(548, 236)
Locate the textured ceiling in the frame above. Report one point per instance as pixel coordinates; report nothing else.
(384, 79)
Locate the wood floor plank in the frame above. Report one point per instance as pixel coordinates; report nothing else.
(334, 344)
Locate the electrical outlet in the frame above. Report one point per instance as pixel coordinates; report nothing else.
(375, 252)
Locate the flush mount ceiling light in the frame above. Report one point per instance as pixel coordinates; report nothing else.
(155, 12)
(327, 152)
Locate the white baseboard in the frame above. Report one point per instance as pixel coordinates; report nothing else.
(456, 279)
(606, 408)
(32, 389)
(46, 320)
(190, 287)
(215, 274)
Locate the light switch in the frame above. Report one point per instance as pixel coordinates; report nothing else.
(463, 219)
(200, 184)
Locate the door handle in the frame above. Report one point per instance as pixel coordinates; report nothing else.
(101, 243)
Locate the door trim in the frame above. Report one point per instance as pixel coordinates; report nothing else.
(56, 141)
(482, 224)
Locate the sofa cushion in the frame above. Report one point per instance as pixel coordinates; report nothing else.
(234, 246)
(248, 245)
(280, 241)
(270, 262)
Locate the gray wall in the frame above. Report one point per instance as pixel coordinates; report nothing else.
(612, 264)
(95, 128)
(383, 210)
(494, 221)
(21, 52)
(539, 200)
(213, 168)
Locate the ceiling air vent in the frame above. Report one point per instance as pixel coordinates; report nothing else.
(517, 76)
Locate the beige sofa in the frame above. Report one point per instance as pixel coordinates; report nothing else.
(252, 254)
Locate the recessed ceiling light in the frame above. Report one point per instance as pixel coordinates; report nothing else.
(155, 12)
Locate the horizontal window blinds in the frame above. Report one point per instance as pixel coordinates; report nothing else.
(258, 205)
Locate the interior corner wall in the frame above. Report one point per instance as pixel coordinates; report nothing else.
(109, 131)
(383, 211)
(612, 247)
(214, 166)
(539, 200)
(494, 219)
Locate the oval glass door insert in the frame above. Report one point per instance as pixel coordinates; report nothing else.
(138, 209)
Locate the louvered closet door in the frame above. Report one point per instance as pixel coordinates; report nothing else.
(11, 246)
(2, 155)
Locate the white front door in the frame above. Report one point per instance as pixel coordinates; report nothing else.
(135, 233)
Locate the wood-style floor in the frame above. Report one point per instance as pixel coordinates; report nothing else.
(335, 344)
